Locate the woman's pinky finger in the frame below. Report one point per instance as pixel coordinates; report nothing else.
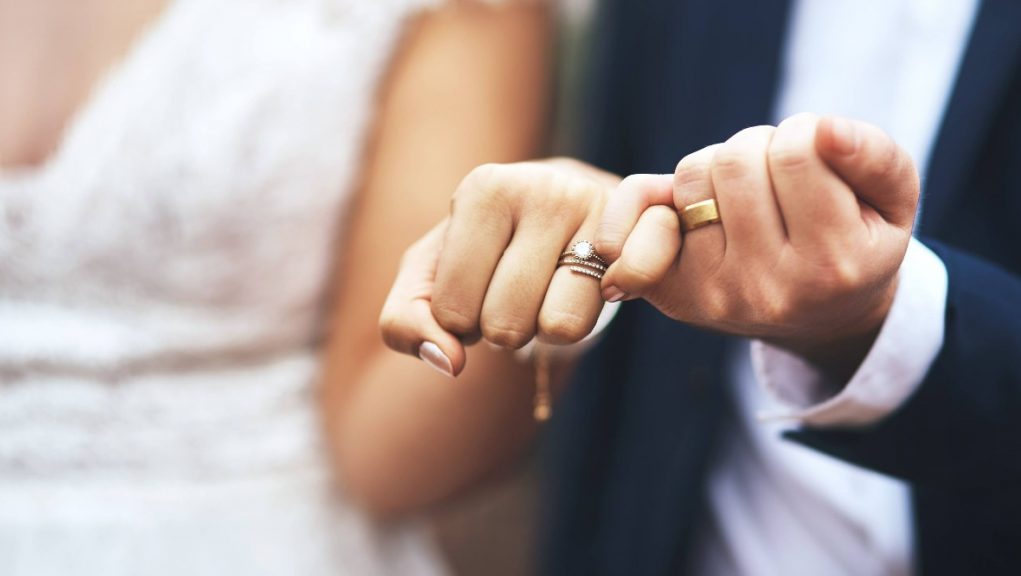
(406, 321)
(648, 254)
(409, 328)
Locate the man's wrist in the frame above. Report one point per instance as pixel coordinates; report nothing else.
(838, 351)
(908, 342)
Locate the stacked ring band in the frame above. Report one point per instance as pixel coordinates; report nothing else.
(582, 258)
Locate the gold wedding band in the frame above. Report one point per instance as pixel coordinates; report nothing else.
(699, 214)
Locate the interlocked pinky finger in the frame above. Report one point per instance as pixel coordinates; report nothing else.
(649, 253)
(626, 205)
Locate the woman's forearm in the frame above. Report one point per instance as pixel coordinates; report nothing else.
(470, 86)
(412, 437)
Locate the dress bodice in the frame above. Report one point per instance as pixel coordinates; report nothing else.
(183, 233)
(163, 275)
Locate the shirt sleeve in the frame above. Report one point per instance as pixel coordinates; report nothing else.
(907, 345)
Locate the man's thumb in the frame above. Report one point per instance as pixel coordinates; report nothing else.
(880, 172)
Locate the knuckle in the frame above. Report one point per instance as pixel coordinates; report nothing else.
(847, 276)
(413, 254)
(452, 319)
(744, 149)
(631, 183)
(777, 309)
(484, 173)
(798, 119)
(560, 198)
(730, 160)
(398, 332)
(552, 196)
(506, 334)
(482, 183)
(634, 275)
(715, 305)
(840, 277)
(608, 241)
(789, 156)
(753, 134)
(575, 194)
(457, 200)
(389, 327)
(562, 327)
(665, 218)
(693, 168)
(889, 162)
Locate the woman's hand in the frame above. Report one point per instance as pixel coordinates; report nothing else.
(490, 270)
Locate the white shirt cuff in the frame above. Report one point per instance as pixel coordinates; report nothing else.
(907, 345)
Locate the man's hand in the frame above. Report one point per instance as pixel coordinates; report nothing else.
(816, 215)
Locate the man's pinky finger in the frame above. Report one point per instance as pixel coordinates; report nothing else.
(626, 205)
(647, 256)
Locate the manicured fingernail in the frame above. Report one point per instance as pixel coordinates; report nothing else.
(613, 294)
(845, 136)
(433, 356)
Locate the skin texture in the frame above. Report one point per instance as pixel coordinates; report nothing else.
(816, 219)
(490, 269)
(52, 54)
(403, 436)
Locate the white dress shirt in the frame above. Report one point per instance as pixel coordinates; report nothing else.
(775, 507)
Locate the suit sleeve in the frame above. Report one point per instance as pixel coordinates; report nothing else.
(963, 423)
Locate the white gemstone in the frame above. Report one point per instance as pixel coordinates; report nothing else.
(583, 250)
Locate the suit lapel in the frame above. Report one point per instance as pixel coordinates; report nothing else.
(992, 56)
(718, 73)
(695, 72)
(667, 413)
(708, 68)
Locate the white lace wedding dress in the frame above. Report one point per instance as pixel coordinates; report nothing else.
(162, 281)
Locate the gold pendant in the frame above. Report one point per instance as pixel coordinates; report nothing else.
(542, 405)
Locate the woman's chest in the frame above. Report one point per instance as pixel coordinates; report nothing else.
(51, 55)
(213, 163)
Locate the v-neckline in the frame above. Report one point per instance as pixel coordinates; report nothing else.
(94, 95)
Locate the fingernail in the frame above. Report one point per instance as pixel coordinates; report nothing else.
(613, 294)
(433, 356)
(845, 136)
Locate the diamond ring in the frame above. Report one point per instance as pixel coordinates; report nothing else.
(583, 250)
(582, 258)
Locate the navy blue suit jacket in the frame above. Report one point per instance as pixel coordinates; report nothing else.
(633, 438)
